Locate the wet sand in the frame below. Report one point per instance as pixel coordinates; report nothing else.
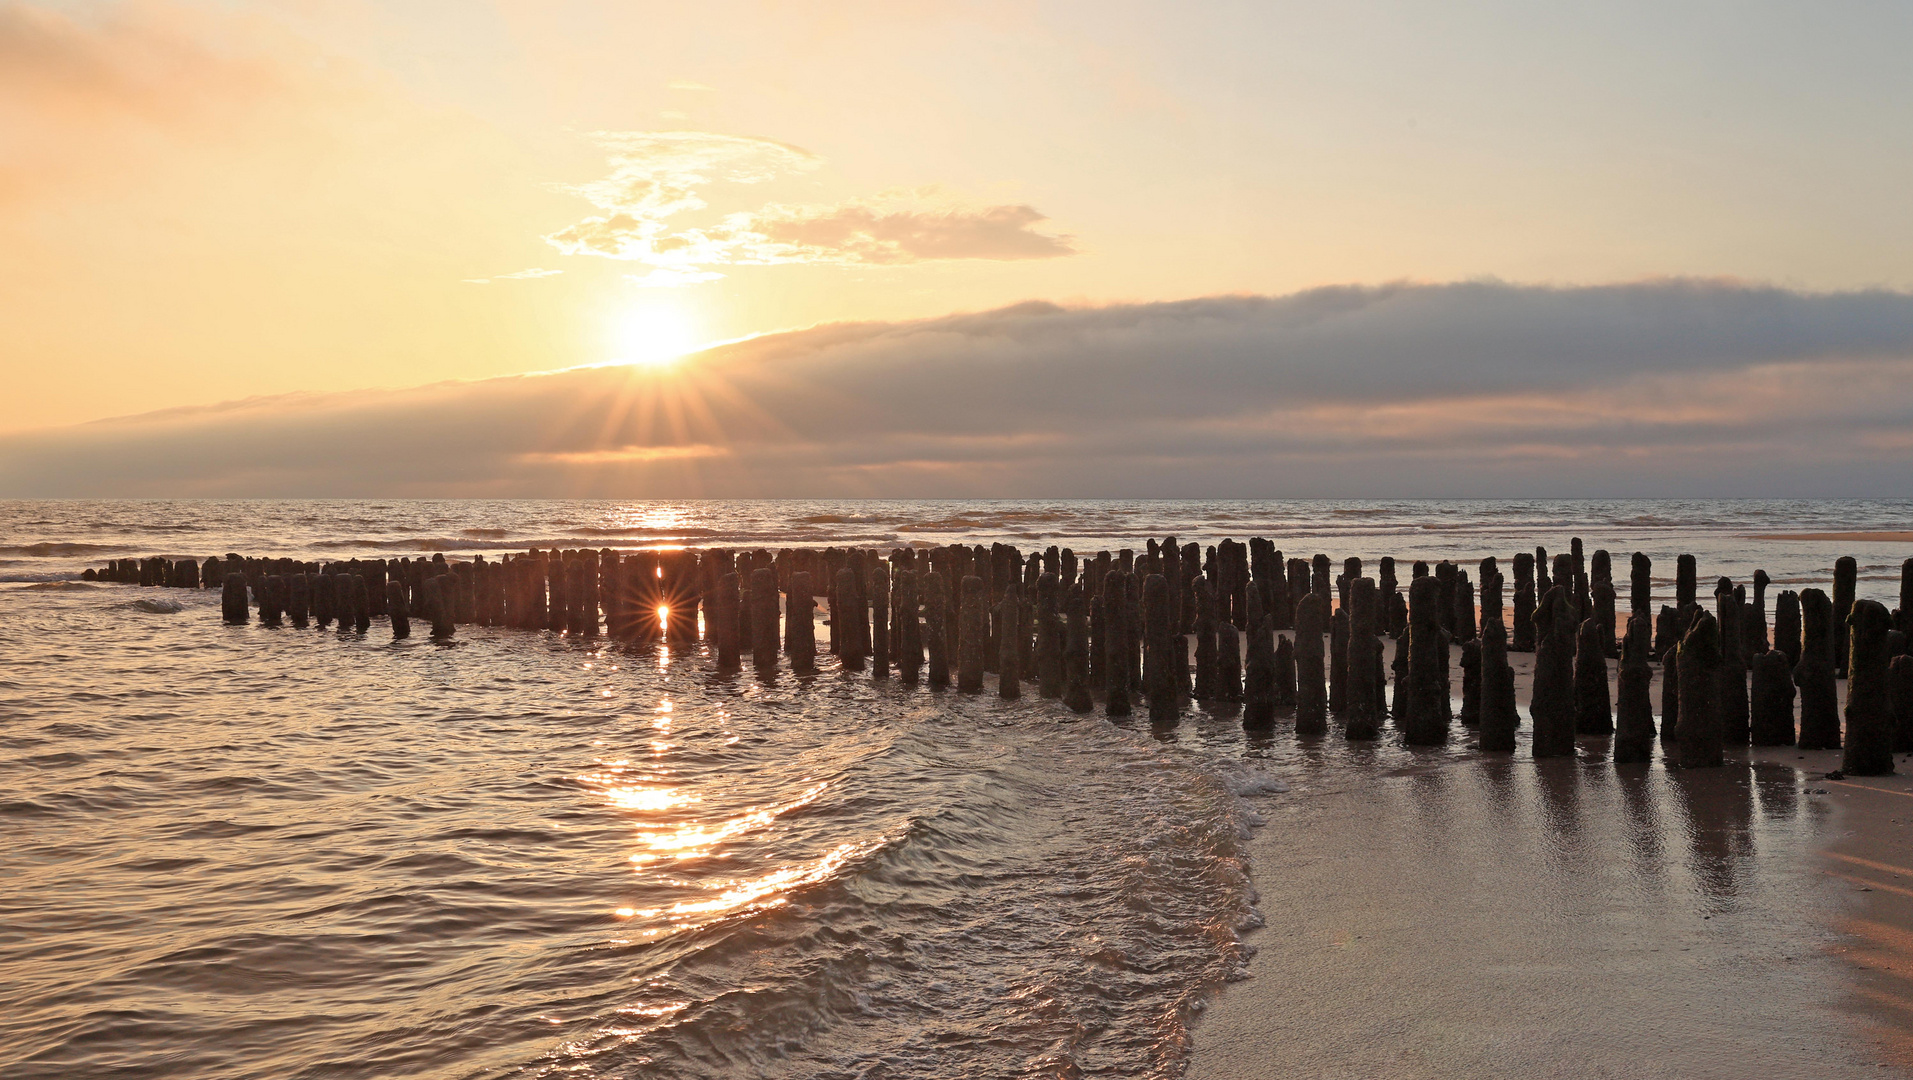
(1858, 537)
(1497, 916)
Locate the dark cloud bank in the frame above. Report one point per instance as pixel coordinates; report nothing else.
(1686, 388)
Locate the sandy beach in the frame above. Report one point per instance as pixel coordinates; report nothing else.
(1498, 916)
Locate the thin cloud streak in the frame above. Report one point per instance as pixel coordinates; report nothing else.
(1480, 389)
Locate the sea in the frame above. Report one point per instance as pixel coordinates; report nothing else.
(252, 852)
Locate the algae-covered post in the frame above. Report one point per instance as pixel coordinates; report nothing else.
(764, 620)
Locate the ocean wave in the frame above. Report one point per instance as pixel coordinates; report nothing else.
(58, 549)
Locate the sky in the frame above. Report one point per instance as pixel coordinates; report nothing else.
(261, 248)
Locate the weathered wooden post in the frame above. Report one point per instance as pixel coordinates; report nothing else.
(1116, 666)
(1499, 714)
(361, 604)
(1423, 715)
(936, 599)
(271, 600)
(1686, 588)
(1787, 625)
(764, 620)
(1819, 697)
(906, 627)
(1845, 573)
(1076, 693)
(324, 598)
(1772, 721)
(1009, 658)
(1593, 712)
(1640, 585)
(1051, 634)
(1524, 600)
(880, 642)
(1899, 701)
(1730, 695)
(1869, 741)
(844, 619)
(1699, 733)
(727, 626)
(1670, 679)
(1756, 617)
(1338, 662)
(973, 634)
(1634, 705)
(800, 624)
(1364, 711)
(1228, 684)
(1385, 599)
(1205, 638)
(1604, 612)
(1163, 652)
(399, 609)
(1541, 582)
(438, 605)
(1284, 673)
(1311, 697)
(1552, 701)
(1258, 689)
(298, 599)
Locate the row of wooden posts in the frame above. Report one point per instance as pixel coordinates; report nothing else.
(1116, 628)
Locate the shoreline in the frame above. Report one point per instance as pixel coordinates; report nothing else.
(1666, 923)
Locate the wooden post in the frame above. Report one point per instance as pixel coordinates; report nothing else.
(1228, 677)
(1686, 588)
(1338, 661)
(764, 626)
(1050, 634)
(1593, 711)
(906, 627)
(1311, 697)
(324, 598)
(879, 620)
(1772, 720)
(935, 620)
(1426, 713)
(1730, 695)
(800, 624)
(1524, 599)
(1364, 711)
(399, 609)
(298, 599)
(973, 634)
(1845, 572)
(1076, 693)
(1634, 706)
(1699, 733)
(1552, 701)
(1819, 697)
(1640, 586)
(1787, 635)
(1163, 652)
(726, 629)
(438, 605)
(1009, 652)
(1499, 715)
(1869, 741)
(1899, 700)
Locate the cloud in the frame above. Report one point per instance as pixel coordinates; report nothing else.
(658, 175)
(876, 233)
(1483, 389)
(516, 275)
(686, 84)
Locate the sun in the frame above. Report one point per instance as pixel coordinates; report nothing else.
(651, 336)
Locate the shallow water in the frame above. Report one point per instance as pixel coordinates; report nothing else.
(253, 852)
